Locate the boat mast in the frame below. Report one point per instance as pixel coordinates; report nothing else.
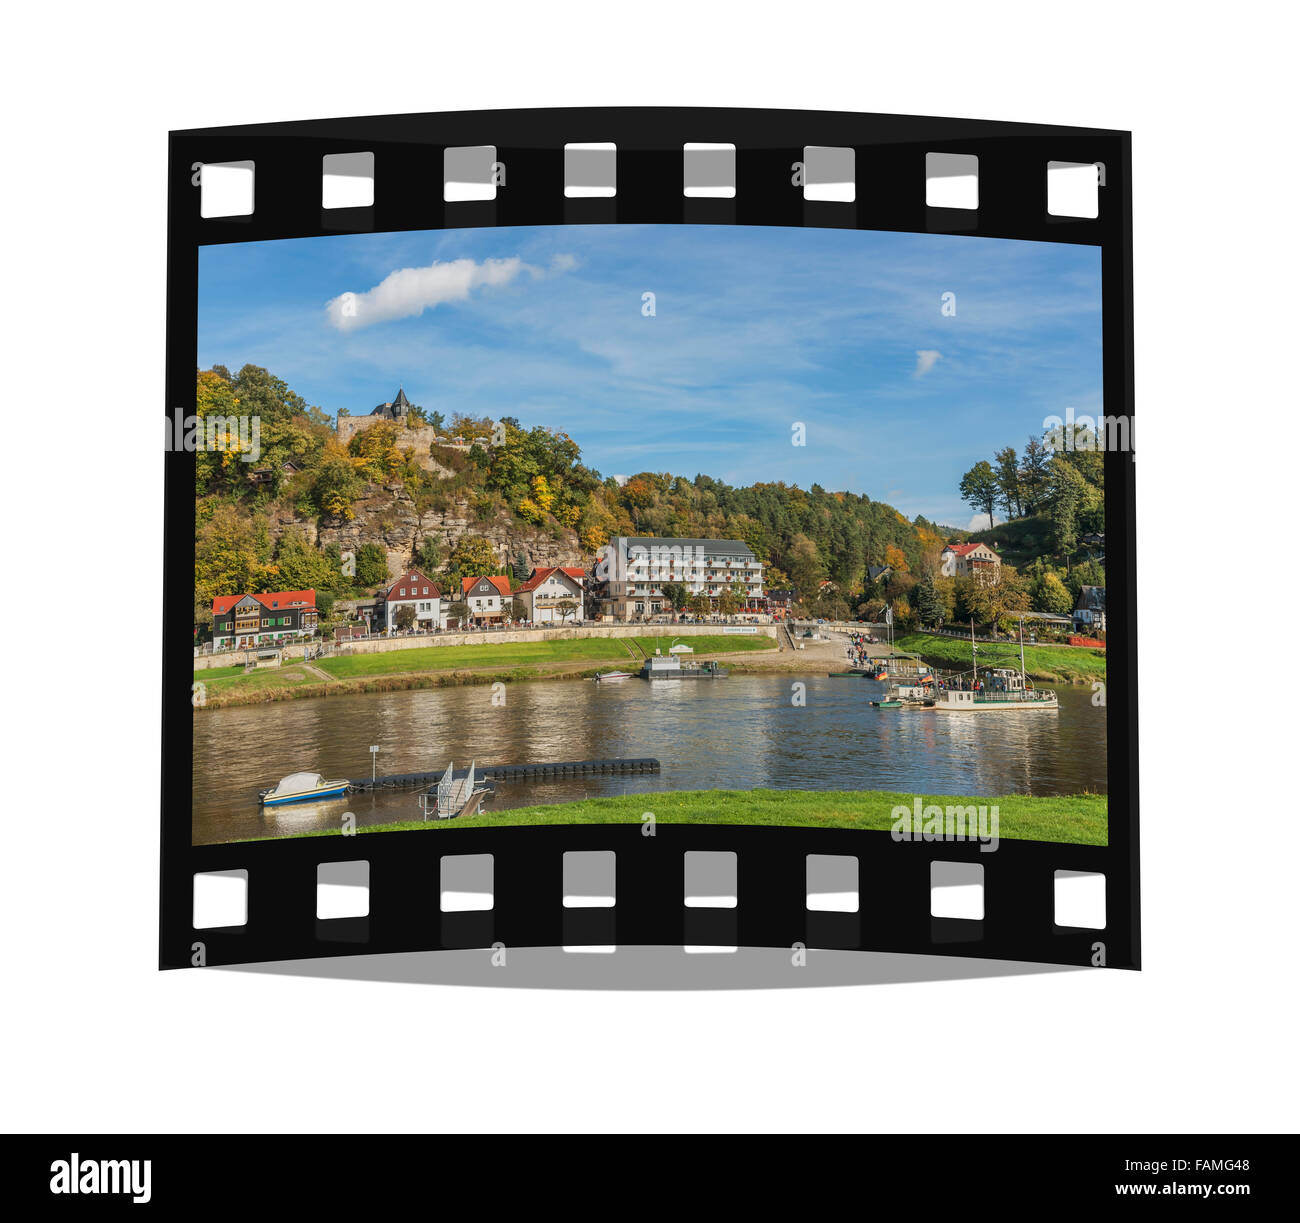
(974, 663)
(1023, 686)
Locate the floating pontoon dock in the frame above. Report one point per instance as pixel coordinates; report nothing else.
(509, 772)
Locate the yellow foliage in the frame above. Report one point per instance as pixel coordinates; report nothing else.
(542, 494)
(337, 506)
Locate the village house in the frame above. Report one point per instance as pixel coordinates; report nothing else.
(488, 598)
(549, 587)
(415, 591)
(242, 621)
(970, 560)
(1090, 610)
(781, 602)
(640, 567)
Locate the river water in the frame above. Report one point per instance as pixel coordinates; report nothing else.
(743, 733)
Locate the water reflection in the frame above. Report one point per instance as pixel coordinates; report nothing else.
(740, 733)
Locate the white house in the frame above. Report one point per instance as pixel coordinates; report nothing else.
(1090, 609)
(415, 591)
(549, 587)
(970, 560)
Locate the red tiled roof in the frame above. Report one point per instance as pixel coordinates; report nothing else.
(500, 581)
(409, 580)
(540, 575)
(273, 600)
(964, 549)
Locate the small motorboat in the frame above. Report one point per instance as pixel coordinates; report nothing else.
(604, 675)
(301, 787)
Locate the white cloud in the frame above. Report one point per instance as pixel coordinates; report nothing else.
(926, 358)
(980, 521)
(564, 263)
(411, 291)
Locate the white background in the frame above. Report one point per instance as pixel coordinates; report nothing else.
(94, 1037)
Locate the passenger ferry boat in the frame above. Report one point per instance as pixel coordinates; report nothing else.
(973, 691)
(659, 666)
(993, 688)
(917, 692)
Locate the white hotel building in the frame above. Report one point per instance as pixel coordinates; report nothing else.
(637, 568)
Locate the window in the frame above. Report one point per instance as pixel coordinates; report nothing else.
(402, 591)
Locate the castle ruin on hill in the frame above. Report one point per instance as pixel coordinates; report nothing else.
(416, 436)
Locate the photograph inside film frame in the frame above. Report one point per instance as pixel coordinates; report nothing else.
(710, 525)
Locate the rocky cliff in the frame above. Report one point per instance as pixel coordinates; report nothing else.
(388, 517)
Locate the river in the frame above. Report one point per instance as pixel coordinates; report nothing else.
(744, 732)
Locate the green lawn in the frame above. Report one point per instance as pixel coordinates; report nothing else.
(227, 679)
(489, 654)
(1077, 819)
(522, 653)
(525, 659)
(218, 673)
(1042, 662)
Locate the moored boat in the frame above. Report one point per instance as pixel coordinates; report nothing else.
(994, 688)
(300, 788)
(659, 666)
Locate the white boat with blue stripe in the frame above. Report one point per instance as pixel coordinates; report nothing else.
(301, 788)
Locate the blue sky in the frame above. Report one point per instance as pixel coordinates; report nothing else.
(755, 328)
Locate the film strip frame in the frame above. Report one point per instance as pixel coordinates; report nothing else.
(771, 909)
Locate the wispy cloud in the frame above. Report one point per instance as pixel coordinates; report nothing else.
(410, 291)
(755, 328)
(926, 359)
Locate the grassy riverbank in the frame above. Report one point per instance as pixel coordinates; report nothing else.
(1076, 819)
(452, 666)
(1049, 663)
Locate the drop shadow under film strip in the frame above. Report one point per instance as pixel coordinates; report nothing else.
(896, 881)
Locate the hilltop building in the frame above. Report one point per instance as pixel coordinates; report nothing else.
(398, 409)
(970, 560)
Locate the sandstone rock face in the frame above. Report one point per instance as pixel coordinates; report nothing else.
(417, 439)
(388, 517)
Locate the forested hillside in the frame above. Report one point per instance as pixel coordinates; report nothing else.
(265, 525)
